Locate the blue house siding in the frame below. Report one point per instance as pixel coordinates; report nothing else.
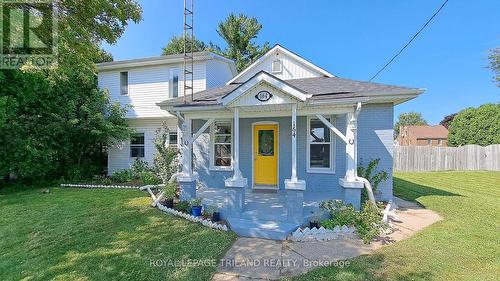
(374, 141)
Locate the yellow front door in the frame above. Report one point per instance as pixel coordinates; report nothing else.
(265, 151)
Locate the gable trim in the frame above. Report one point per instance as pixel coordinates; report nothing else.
(266, 77)
(277, 47)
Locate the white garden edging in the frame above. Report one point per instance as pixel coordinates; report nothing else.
(99, 186)
(320, 234)
(189, 217)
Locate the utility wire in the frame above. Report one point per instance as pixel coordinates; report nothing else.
(411, 40)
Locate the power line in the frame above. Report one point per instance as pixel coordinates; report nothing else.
(411, 40)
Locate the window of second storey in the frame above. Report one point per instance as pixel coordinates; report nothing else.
(124, 83)
(174, 83)
(137, 145)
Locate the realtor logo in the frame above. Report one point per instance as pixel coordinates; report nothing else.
(28, 33)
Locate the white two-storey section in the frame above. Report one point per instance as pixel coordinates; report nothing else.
(140, 84)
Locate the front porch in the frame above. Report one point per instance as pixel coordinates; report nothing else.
(266, 214)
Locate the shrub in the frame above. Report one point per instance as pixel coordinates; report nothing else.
(195, 202)
(122, 176)
(170, 191)
(209, 210)
(138, 168)
(166, 160)
(183, 206)
(369, 223)
(148, 177)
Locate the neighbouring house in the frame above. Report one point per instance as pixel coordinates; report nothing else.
(423, 135)
(274, 140)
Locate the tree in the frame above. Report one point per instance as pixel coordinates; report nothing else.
(495, 63)
(56, 122)
(238, 31)
(176, 46)
(408, 119)
(476, 126)
(447, 120)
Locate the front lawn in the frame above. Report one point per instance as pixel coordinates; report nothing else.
(98, 234)
(465, 245)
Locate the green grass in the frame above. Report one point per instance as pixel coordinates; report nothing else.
(465, 245)
(81, 234)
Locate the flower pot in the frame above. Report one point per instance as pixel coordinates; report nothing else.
(169, 203)
(196, 211)
(313, 224)
(216, 216)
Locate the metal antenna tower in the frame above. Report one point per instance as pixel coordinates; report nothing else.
(188, 49)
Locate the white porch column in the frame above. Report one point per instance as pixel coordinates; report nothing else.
(237, 180)
(350, 148)
(187, 180)
(294, 182)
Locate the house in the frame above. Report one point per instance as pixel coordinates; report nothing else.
(423, 135)
(141, 83)
(280, 137)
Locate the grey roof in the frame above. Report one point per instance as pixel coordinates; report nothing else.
(321, 89)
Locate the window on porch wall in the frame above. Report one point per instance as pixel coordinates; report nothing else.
(319, 146)
(222, 144)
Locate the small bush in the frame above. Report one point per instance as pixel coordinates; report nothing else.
(368, 221)
(139, 167)
(148, 177)
(195, 202)
(170, 191)
(122, 176)
(183, 206)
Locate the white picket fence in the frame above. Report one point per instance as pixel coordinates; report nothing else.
(430, 158)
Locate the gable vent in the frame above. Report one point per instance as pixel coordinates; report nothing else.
(277, 66)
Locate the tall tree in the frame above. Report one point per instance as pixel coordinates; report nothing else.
(447, 120)
(176, 46)
(56, 122)
(495, 63)
(408, 119)
(239, 31)
(476, 126)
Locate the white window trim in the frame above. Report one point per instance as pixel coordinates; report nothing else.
(176, 144)
(137, 145)
(174, 71)
(128, 83)
(212, 146)
(333, 142)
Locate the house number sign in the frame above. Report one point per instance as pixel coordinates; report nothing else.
(263, 96)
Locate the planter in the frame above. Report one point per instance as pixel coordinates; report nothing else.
(196, 211)
(313, 224)
(216, 216)
(169, 203)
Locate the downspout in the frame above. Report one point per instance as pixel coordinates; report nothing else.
(368, 186)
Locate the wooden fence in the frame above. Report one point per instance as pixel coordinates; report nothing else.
(430, 158)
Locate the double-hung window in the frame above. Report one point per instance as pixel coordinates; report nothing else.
(172, 139)
(320, 146)
(221, 145)
(137, 145)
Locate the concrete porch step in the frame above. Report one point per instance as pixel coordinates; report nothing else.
(274, 230)
(259, 215)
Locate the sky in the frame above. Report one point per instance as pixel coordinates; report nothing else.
(354, 39)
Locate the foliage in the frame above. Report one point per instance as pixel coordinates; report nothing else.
(374, 176)
(183, 206)
(122, 176)
(176, 46)
(479, 126)
(209, 210)
(139, 167)
(495, 63)
(166, 159)
(195, 202)
(56, 122)
(447, 120)
(170, 191)
(408, 119)
(368, 221)
(238, 31)
(149, 178)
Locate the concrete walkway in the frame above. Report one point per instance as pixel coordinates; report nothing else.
(252, 258)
